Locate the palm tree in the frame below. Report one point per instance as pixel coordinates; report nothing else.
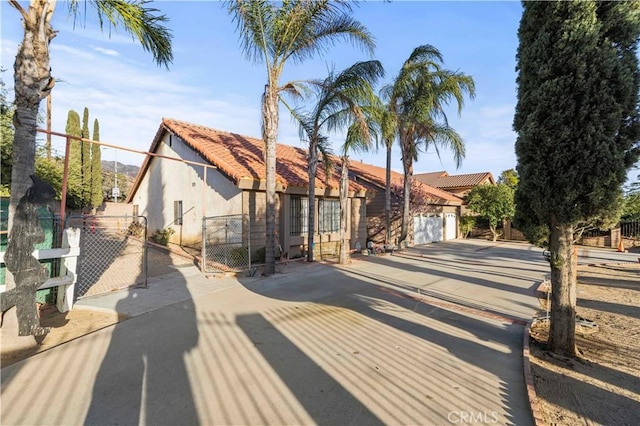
(33, 80)
(388, 129)
(277, 33)
(359, 138)
(416, 101)
(342, 101)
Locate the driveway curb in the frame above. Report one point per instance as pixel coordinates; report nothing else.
(534, 402)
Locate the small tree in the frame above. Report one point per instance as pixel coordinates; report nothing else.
(467, 224)
(631, 206)
(494, 203)
(50, 170)
(97, 196)
(509, 178)
(86, 160)
(74, 185)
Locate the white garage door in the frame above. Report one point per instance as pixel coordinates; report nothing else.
(427, 228)
(450, 226)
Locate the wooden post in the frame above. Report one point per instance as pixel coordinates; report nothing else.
(70, 239)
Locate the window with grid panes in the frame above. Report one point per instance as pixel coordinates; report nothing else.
(329, 216)
(299, 215)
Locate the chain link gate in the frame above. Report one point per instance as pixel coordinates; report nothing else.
(113, 253)
(225, 243)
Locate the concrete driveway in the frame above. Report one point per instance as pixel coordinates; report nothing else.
(429, 336)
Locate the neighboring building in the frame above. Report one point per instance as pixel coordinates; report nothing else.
(435, 212)
(179, 194)
(459, 185)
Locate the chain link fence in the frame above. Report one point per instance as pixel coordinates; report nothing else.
(226, 244)
(113, 253)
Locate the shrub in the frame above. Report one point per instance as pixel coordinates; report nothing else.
(466, 225)
(162, 236)
(136, 229)
(238, 256)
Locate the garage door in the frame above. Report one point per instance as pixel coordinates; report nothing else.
(450, 226)
(427, 228)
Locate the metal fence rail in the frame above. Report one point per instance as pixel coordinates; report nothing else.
(113, 253)
(226, 244)
(630, 229)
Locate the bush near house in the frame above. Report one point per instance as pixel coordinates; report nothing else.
(467, 223)
(162, 236)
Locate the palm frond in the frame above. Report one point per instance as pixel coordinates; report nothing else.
(143, 23)
(254, 20)
(320, 25)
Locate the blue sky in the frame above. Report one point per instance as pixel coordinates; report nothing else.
(211, 82)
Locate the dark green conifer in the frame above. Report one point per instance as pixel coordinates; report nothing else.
(578, 130)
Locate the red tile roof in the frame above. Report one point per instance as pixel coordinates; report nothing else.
(430, 178)
(454, 181)
(240, 157)
(377, 176)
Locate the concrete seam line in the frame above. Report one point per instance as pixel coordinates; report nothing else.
(434, 301)
(612, 264)
(534, 402)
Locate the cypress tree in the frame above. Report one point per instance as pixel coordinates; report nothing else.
(86, 160)
(578, 130)
(74, 185)
(96, 168)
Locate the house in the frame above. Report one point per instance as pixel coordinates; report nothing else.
(459, 185)
(435, 212)
(199, 172)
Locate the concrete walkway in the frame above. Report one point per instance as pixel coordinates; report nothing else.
(430, 336)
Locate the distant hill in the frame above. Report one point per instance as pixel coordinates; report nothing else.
(126, 169)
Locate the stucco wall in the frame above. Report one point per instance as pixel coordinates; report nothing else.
(167, 181)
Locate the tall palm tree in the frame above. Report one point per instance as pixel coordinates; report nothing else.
(33, 80)
(388, 129)
(416, 101)
(342, 101)
(360, 138)
(278, 33)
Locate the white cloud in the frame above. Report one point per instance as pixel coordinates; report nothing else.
(73, 52)
(129, 101)
(109, 52)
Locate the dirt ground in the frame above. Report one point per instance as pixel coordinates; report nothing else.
(81, 321)
(603, 385)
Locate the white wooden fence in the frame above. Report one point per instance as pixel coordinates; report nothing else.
(66, 281)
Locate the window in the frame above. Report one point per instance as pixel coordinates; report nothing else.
(299, 213)
(329, 216)
(177, 212)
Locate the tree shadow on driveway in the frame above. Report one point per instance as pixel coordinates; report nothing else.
(444, 362)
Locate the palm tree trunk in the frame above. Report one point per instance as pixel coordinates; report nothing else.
(406, 195)
(343, 256)
(32, 83)
(269, 135)
(387, 196)
(311, 228)
(562, 338)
